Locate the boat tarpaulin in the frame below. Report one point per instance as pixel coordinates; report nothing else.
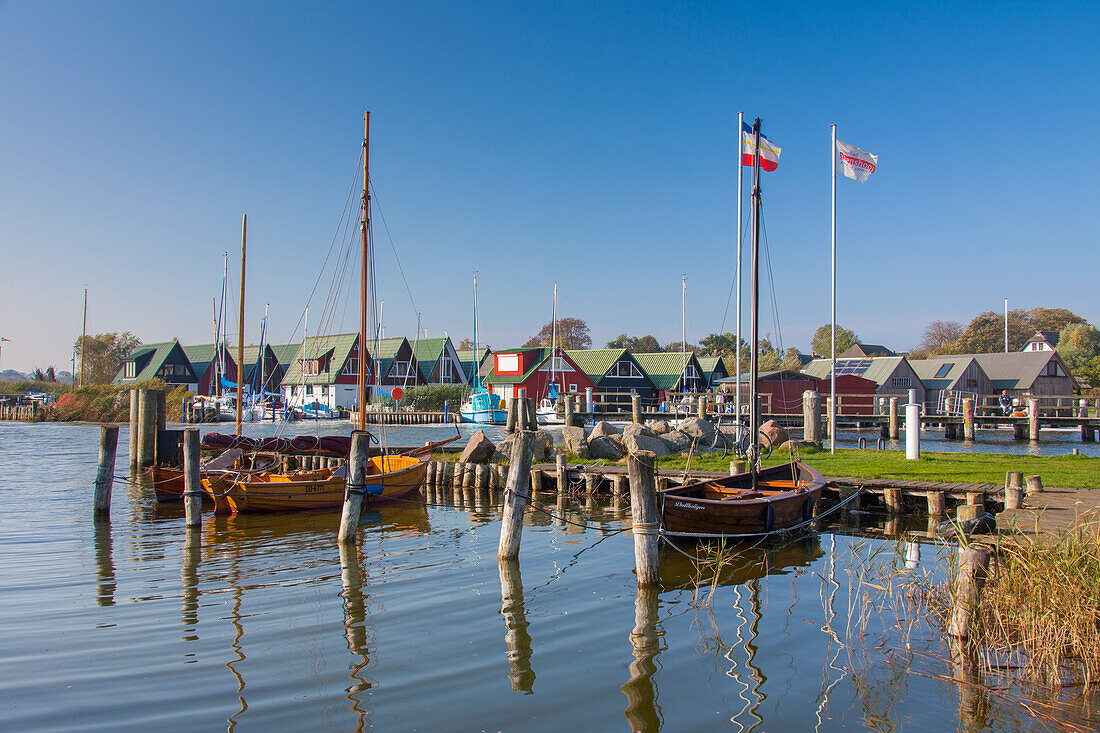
(333, 445)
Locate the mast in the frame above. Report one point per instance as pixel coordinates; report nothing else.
(740, 197)
(684, 327)
(553, 338)
(84, 336)
(754, 317)
(305, 340)
(832, 348)
(240, 333)
(364, 276)
(477, 348)
(214, 357)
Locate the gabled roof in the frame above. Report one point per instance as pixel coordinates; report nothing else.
(157, 355)
(543, 353)
(1015, 370)
(385, 351)
(877, 369)
(285, 353)
(201, 356)
(783, 374)
(865, 351)
(1049, 337)
(941, 372)
(428, 352)
(596, 362)
(470, 360)
(666, 368)
(316, 347)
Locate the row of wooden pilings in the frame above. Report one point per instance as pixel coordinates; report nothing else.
(26, 413)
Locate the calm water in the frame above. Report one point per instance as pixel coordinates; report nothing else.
(261, 623)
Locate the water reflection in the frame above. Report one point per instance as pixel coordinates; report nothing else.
(642, 710)
(515, 624)
(189, 579)
(355, 629)
(974, 705)
(104, 563)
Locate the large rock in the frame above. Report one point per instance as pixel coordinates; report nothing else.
(677, 441)
(479, 449)
(544, 447)
(504, 450)
(636, 442)
(637, 429)
(573, 438)
(695, 427)
(660, 427)
(605, 448)
(617, 439)
(774, 434)
(602, 429)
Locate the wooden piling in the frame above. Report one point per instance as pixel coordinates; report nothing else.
(516, 495)
(468, 471)
(895, 431)
(484, 478)
(643, 511)
(147, 429)
(429, 474)
(1034, 485)
(1033, 419)
(532, 416)
(510, 421)
(568, 400)
(192, 486)
(563, 473)
(105, 475)
(937, 501)
(892, 497)
(701, 408)
(811, 416)
(636, 408)
(591, 481)
(968, 418)
(135, 429)
(536, 481)
(354, 486)
(970, 576)
(738, 467)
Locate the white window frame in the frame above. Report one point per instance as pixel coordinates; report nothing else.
(572, 388)
(131, 370)
(635, 372)
(401, 368)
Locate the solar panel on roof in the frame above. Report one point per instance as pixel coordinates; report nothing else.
(853, 366)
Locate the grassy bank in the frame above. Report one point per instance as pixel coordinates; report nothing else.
(985, 468)
(110, 403)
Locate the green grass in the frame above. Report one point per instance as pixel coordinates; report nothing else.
(982, 468)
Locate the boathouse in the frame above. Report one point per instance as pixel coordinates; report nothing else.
(395, 364)
(165, 361)
(530, 369)
(714, 370)
(865, 351)
(203, 359)
(284, 355)
(325, 370)
(437, 362)
(673, 371)
(272, 370)
(1039, 373)
(892, 374)
(615, 372)
(475, 362)
(948, 379)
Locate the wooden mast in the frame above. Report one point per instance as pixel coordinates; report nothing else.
(240, 332)
(364, 275)
(754, 413)
(84, 338)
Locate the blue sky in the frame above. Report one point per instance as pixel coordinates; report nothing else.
(589, 143)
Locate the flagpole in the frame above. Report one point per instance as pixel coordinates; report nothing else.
(832, 371)
(740, 178)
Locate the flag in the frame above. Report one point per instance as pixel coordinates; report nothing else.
(769, 151)
(855, 163)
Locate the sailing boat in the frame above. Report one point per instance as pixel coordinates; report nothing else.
(759, 501)
(481, 406)
(388, 477)
(547, 411)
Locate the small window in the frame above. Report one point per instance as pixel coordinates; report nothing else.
(1054, 370)
(944, 371)
(901, 382)
(352, 368)
(131, 369)
(625, 369)
(401, 369)
(309, 389)
(572, 388)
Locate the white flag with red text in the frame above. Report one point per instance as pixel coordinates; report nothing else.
(855, 163)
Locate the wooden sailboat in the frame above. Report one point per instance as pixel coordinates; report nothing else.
(389, 477)
(758, 501)
(481, 406)
(547, 411)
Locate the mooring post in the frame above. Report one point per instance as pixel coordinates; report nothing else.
(135, 429)
(912, 432)
(563, 473)
(892, 497)
(354, 485)
(811, 416)
(701, 407)
(516, 494)
(968, 418)
(192, 481)
(937, 503)
(1033, 419)
(1034, 485)
(588, 399)
(970, 575)
(894, 426)
(738, 467)
(636, 408)
(510, 422)
(1014, 489)
(532, 415)
(147, 429)
(105, 476)
(643, 510)
(568, 401)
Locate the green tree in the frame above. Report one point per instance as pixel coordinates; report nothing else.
(677, 346)
(1090, 372)
(1078, 344)
(101, 355)
(1050, 319)
(647, 344)
(985, 334)
(822, 340)
(719, 344)
(572, 334)
(467, 343)
(792, 360)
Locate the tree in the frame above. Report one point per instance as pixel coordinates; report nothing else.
(1078, 344)
(985, 334)
(101, 355)
(679, 346)
(822, 340)
(768, 359)
(572, 334)
(792, 360)
(719, 344)
(637, 344)
(1050, 319)
(51, 375)
(938, 338)
(467, 344)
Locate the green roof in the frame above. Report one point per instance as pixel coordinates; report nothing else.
(314, 348)
(427, 353)
(543, 355)
(285, 353)
(666, 368)
(160, 354)
(385, 351)
(469, 359)
(595, 362)
(200, 356)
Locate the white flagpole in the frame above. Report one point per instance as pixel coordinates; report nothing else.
(832, 372)
(740, 178)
